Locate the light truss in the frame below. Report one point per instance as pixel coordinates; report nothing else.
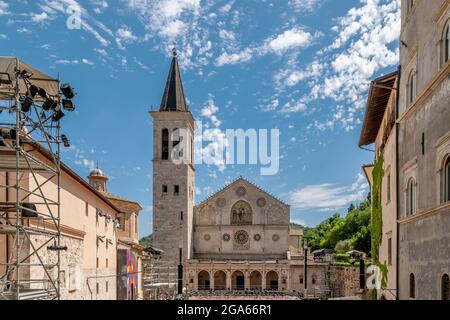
(30, 167)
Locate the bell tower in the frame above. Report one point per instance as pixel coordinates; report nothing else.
(98, 179)
(173, 173)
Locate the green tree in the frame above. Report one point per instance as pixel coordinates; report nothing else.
(146, 241)
(343, 233)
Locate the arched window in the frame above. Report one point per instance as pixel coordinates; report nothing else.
(176, 137)
(410, 4)
(446, 44)
(445, 287)
(446, 181)
(165, 144)
(411, 197)
(412, 286)
(241, 213)
(411, 87)
(177, 152)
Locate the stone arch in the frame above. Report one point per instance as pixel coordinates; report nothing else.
(241, 213)
(272, 280)
(445, 179)
(255, 280)
(238, 280)
(206, 215)
(204, 281)
(220, 280)
(165, 144)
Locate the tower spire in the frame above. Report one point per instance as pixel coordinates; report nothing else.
(174, 98)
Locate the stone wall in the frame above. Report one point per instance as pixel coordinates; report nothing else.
(266, 232)
(172, 213)
(344, 281)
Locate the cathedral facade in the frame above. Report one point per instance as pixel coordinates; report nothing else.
(237, 239)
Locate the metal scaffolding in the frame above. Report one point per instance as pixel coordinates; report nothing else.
(30, 166)
(160, 281)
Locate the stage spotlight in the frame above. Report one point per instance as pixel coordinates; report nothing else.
(58, 115)
(68, 105)
(2, 142)
(65, 141)
(26, 104)
(42, 93)
(5, 78)
(49, 104)
(24, 74)
(67, 91)
(32, 91)
(26, 211)
(7, 133)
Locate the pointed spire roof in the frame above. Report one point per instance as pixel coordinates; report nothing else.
(173, 98)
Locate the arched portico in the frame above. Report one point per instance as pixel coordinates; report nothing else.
(204, 281)
(256, 280)
(220, 280)
(272, 280)
(238, 280)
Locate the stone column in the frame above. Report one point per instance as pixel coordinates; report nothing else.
(263, 280)
(247, 280)
(229, 282)
(211, 279)
(288, 279)
(196, 281)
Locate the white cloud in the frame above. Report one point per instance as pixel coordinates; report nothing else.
(294, 38)
(234, 58)
(293, 107)
(327, 197)
(74, 62)
(124, 35)
(39, 18)
(23, 30)
(226, 8)
(54, 7)
(3, 8)
(174, 21)
(290, 39)
(290, 76)
(101, 5)
(3, 36)
(304, 5)
(213, 136)
(299, 222)
(141, 65)
(209, 112)
(365, 43)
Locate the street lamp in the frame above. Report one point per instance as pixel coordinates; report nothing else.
(305, 246)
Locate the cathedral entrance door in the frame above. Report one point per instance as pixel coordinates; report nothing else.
(240, 282)
(274, 285)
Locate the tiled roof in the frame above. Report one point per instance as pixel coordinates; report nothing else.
(174, 98)
(236, 181)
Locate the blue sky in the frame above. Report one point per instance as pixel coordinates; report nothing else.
(300, 66)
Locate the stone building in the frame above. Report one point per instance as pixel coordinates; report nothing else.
(102, 260)
(88, 230)
(379, 129)
(129, 252)
(424, 151)
(237, 239)
(416, 183)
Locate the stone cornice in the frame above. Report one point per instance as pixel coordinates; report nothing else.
(419, 102)
(426, 213)
(442, 10)
(66, 231)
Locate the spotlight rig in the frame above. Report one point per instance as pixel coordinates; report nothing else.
(49, 103)
(65, 141)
